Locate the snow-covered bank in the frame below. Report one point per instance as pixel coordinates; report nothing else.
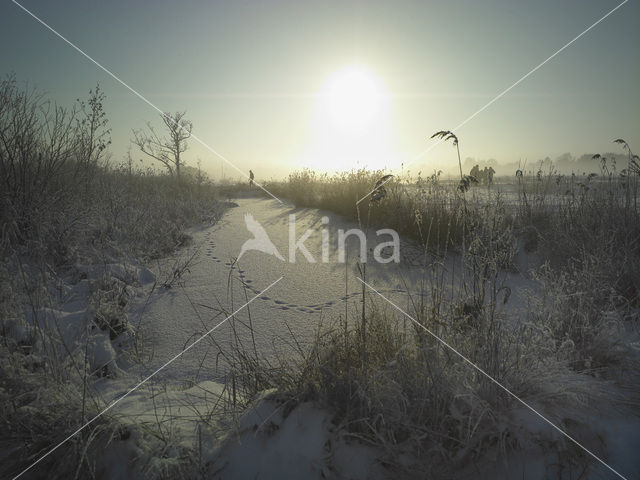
(83, 310)
(277, 439)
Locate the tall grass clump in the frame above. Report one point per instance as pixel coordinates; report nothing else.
(421, 404)
(65, 206)
(583, 312)
(587, 222)
(423, 407)
(413, 206)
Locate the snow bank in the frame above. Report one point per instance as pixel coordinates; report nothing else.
(125, 272)
(278, 440)
(84, 308)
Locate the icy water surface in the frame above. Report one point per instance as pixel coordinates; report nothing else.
(285, 316)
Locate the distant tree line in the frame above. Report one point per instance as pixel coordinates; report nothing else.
(564, 164)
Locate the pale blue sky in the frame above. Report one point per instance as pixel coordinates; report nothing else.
(249, 73)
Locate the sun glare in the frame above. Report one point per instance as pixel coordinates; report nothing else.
(352, 125)
(354, 97)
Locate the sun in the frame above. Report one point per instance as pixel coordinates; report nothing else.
(351, 123)
(354, 97)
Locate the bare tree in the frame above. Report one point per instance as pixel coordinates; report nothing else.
(166, 149)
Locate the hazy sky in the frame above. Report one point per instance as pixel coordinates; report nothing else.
(267, 83)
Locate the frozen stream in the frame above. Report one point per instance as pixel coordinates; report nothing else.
(308, 293)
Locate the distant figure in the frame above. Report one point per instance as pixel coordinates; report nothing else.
(490, 173)
(250, 178)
